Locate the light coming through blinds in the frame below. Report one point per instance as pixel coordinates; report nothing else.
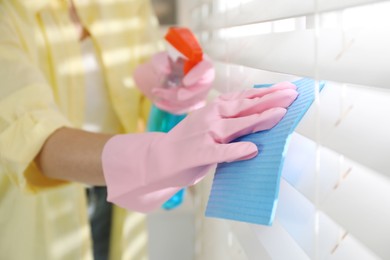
(334, 200)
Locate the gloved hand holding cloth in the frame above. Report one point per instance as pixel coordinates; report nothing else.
(143, 170)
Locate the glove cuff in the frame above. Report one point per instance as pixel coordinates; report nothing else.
(125, 161)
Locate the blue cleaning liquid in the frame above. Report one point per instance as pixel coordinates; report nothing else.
(175, 201)
(162, 121)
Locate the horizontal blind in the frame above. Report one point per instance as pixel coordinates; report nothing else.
(211, 15)
(335, 192)
(351, 46)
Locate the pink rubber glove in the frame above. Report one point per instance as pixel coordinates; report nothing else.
(188, 96)
(143, 170)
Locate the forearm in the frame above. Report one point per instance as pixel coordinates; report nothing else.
(73, 155)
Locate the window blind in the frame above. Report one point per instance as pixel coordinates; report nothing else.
(334, 200)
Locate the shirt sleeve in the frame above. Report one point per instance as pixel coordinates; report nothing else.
(28, 113)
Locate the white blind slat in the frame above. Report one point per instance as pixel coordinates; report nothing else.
(364, 61)
(276, 237)
(350, 248)
(352, 122)
(211, 15)
(365, 213)
(300, 167)
(298, 217)
(349, 193)
(241, 77)
(247, 237)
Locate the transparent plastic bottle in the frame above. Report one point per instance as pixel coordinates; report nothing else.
(184, 52)
(163, 121)
(176, 76)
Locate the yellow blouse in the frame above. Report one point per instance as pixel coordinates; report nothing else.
(42, 89)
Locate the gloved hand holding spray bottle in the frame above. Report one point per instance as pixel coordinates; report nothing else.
(184, 52)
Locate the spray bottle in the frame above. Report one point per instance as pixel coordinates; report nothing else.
(184, 53)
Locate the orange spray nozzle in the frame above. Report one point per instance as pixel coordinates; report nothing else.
(185, 42)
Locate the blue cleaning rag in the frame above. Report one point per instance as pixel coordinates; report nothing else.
(248, 190)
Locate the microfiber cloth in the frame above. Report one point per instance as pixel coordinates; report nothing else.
(248, 190)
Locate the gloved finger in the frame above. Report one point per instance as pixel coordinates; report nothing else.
(236, 108)
(234, 152)
(244, 107)
(160, 62)
(180, 93)
(146, 199)
(186, 94)
(146, 78)
(257, 92)
(201, 172)
(203, 72)
(165, 93)
(222, 153)
(226, 130)
(178, 107)
(173, 109)
(210, 155)
(176, 100)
